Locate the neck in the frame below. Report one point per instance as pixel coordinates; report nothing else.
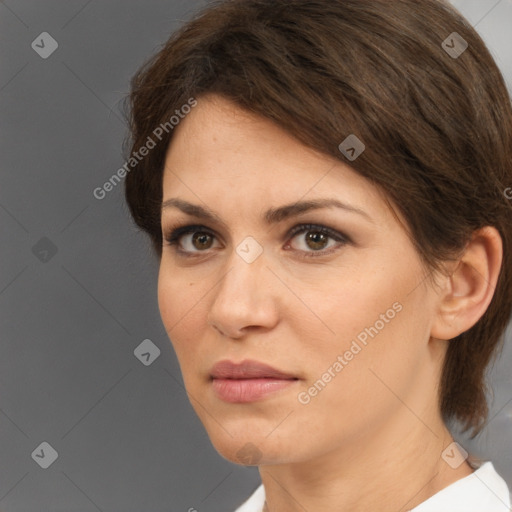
(395, 468)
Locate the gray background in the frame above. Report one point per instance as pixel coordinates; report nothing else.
(78, 281)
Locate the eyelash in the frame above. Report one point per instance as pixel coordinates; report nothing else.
(174, 235)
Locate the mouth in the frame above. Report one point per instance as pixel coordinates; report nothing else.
(248, 381)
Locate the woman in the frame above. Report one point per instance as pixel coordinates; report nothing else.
(323, 184)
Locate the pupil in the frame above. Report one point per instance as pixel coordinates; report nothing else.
(316, 239)
(203, 239)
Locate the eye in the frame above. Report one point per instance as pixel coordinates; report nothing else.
(191, 239)
(316, 240)
(319, 240)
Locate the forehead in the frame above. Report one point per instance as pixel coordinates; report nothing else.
(220, 153)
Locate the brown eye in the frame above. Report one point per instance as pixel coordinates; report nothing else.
(202, 241)
(191, 239)
(316, 240)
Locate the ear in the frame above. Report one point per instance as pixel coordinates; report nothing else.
(465, 294)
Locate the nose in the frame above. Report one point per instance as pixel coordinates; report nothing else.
(244, 298)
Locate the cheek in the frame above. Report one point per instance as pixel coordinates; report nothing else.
(349, 305)
(180, 305)
(353, 387)
(178, 294)
(378, 327)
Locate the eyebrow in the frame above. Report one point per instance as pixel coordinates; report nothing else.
(272, 216)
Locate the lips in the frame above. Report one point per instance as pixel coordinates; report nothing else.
(248, 369)
(248, 381)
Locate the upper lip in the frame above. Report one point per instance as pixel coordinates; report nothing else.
(247, 369)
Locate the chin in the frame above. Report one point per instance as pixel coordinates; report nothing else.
(252, 449)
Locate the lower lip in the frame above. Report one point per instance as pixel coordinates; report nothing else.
(248, 390)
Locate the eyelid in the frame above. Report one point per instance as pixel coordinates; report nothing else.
(331, 232)
(173, 233)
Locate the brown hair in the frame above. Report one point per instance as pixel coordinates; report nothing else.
(437, 127)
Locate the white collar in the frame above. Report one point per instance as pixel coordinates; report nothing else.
(482, 491)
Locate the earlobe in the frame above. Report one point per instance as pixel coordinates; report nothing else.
(468, 290)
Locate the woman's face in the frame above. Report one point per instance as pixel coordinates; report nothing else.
(340, 305)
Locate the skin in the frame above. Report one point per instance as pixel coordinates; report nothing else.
(372, 439)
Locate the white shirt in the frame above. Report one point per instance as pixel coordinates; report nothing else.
(482, 491)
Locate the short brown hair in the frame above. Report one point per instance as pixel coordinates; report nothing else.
(437, 127)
